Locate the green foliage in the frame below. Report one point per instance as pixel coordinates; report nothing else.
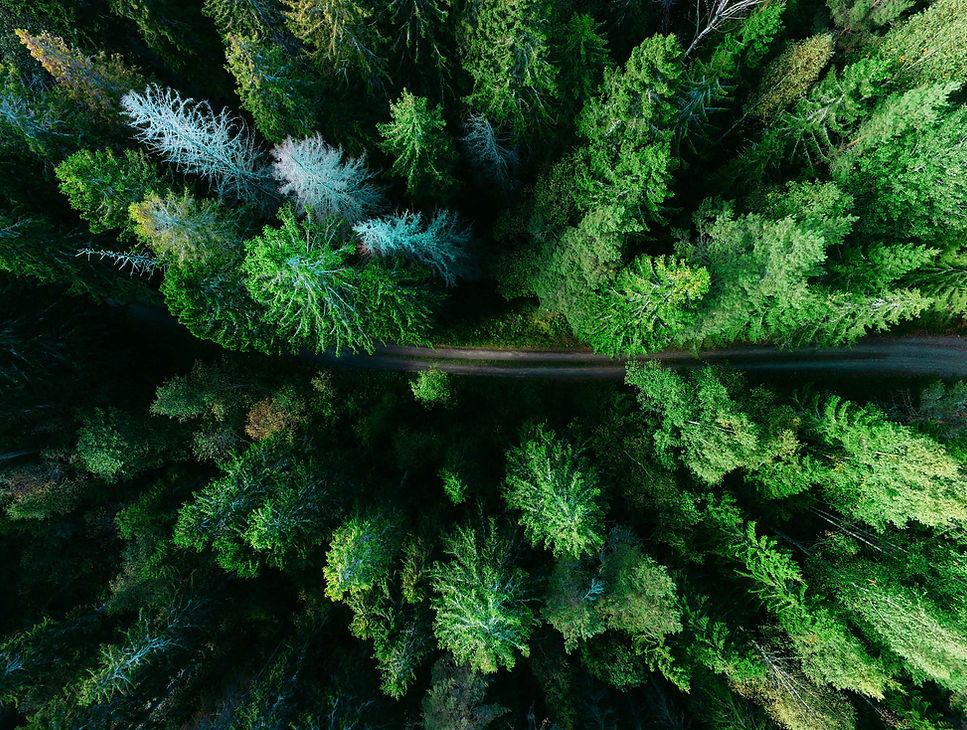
(699, 422)
(790, 75)
(881, 472)
(184, 231)
(101, 186)
(423, 152)
(639, 598)
(271, 87)
(433, 388)
(341, 35)
(622, 589)
(481, 612)
(628, 128)
(927, 45)
(932, 642)
(302, 274)
(762, 275)
(652, 302)
(557, 492)
(455, 699)
(115, 445)
(269, 507)
(507, 54)
(360, 555)
(905, 170)
(98, 82)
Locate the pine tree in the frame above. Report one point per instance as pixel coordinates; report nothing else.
(628, 130)
(907, 168)
(101, 186)
(489, 154)
(639, 596)
(700, 423)
(98, 82)
(193, 137)
(424, 153)
(928, 45)
(881, 472)
(246, 17)
(317, 177)
(342, 35)
(651, 303)
(549, 481)
(791, 75)
(481, 613)
(268, 507)
(455, 700)
(443, 244)
(583, 58)
(420, 30)
(182, 230)
(44, 122)
(507, 53)
(302, 275)
(931, 641)
(360, 556)
(272, 87)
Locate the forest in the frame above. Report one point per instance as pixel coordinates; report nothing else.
(206, 526)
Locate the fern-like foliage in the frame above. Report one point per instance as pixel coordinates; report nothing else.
(443, 244)
(190, 135)
(317, 176)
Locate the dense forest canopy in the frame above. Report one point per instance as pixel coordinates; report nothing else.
(202, 528)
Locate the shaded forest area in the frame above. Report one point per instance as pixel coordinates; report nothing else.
(207, 534)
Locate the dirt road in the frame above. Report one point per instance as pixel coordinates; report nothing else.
(940, 356)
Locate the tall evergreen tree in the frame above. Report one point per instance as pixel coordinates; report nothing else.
(556, 491)
(424, 153)
(443, 244)
(507, 53)
(628, 129)
(192, 136)
(318, 177)
(480, 599)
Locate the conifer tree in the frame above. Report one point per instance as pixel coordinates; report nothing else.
(182, 230)
(424, 153)
(193, 137)
(268, 507)
(481, 613)
(101, 186)
(507, 53)
(881, 472)
(360, 555)
(932, 641)
(651, 303)
(628, 130)
(549, 481)
(98, 82)
(907, 169)
(489, 154)
(443, 244)
(271, 87)
(927, 45)
(303, 276)
(342, 35)
(699, 422)
(420, 27)
(317, 177)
